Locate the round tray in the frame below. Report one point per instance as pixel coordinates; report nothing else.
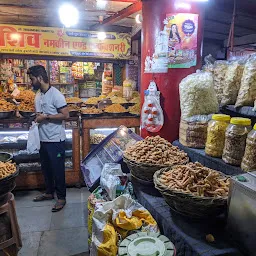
(27, 114)
(135, 115)
(116, 114)
(5, 157)
(79, 104)
(6, 114)
(127, 105)
(91, 115)
(73, 113)
(90, 105)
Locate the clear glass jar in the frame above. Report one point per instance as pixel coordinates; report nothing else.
(235, 141)
(249, 159)
(216, 135)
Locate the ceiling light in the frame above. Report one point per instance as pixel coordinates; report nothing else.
(138, 18)
(101, 4)
(182, 5)
(68, 15)
(102, 35)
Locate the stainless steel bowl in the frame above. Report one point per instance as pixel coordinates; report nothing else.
(7, 114)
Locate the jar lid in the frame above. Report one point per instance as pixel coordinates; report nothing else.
(241, 121)
(221, 117)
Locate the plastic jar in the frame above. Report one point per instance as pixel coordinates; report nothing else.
(127, 89)
(235, 141)
(216, 135)
(249, 159)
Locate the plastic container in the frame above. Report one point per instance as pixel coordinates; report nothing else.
(249, 159)
(216, 135)
(128, 89)
(235, 141)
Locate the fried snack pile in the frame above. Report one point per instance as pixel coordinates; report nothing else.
(74, 100)
(156, 150)
(92, 110)
(118, 100)
(27, 106)
(6, 106)
(92, 100)
(73, 107)
(102, 97)
(135, 100)
(115, 108)
(26, 95)
(6, 169)
(115, 94)
(134, 109)
(5, 95)
(196, 179)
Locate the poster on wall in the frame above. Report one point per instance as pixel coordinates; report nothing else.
(182, 41)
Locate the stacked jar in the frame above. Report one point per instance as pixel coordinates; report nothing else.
(249, 159)
(216, 135)
(235, 141)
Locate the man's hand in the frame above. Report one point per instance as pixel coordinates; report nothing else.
(40, 118)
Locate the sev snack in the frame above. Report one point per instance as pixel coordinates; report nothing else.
(6, 106)
(135, 100)
(196, 179)
(156, 150)
(26, 95)
(5, 95)
(74, 100)
(73, 107)
(27, 106)
(134, 109)
(92, 110)
(115, 94)
(115, 108)
(118, 100)
(92, 100)
(6, 169)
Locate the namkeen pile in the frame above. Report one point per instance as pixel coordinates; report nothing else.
(92, 100)
(135, 100)
(6, 169)
(92, 110)
(196, 179)
(73, 107)
(74, 100)
(26, 95)
(134, 109)
(5, 95)
(6, 106)
(118, 100)
(115, 108)
(156, 150)
(27, 106)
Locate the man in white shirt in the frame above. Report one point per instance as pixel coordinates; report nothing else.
(51, 109)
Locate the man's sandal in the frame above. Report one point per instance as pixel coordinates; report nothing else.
(43, 197)
(59, 206)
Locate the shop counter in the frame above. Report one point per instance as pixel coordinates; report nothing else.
(13, 139)
(105, 122)
(188, 235)
(198, 155)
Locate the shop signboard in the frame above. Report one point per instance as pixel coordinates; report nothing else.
(182, 45)
(48, 41)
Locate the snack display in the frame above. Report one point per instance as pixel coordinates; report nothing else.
(102, 97)
(248, 162)
(235, 141)
(197, 95)
(156, 150)
(232, 83)
(135, 110)
(6, 106)
(73, 107)
(26, 106)
(6, 169)
(135, 100)
(115, 94)
(92, 110)
(115, 108)
(216, 135)
(220, 68)
(247, 92)
(5, 95)
(118, 100)
(74, 100)
(97, 138)
(26, 95)
(196, 179)
(92, 100)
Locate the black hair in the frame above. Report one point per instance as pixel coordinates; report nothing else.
(38, 70)
(177, 33)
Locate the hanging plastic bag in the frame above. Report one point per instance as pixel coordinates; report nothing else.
(117, 219)
(33, 143)
(152, 116)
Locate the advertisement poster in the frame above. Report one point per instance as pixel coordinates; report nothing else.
(182, 42)
(18, 39)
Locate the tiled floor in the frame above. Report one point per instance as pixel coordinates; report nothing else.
(53, 234)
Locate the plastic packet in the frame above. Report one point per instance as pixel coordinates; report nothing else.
(209, 63)
(247, 91)
(199, 118)
(197, 95)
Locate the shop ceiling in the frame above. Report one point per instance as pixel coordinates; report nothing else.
(118, 15)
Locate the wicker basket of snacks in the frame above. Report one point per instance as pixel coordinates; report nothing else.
(193, 189)
(151, 154)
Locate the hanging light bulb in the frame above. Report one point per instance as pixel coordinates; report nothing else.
(68, 15)
(101, 4)
(102, 35)
(138, 18)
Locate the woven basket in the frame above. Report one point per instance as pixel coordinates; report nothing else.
(145, 171)
(188, 204)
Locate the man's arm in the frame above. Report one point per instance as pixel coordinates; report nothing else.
(62, 115)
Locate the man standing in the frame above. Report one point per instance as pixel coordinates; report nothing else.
(51, 109)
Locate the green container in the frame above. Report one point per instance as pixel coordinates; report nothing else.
(5, 157)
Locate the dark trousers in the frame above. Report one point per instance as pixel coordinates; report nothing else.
(52, 155)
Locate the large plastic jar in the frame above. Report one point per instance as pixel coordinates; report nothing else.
(216, 135)
(235, 141)
(249, 159)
